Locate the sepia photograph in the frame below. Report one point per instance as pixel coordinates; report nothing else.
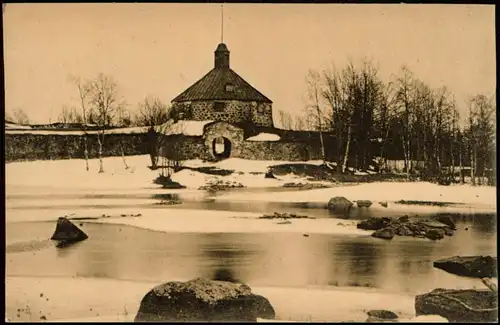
(250, 162)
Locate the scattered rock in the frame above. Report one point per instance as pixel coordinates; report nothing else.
(203, 300)
(447, 221)
(374, 223)
(220, 185)
(269, 174)
(475, 306)
(404, 219)
(384, 204)
(305, 235)
(68, 232)
(386, 233)
(381, 313)
(364, 203)
(286, 222)
(285, 216)
(402, 226)
(167, 182)
(43, 318)
(435, 234)
(470, 266)
(434, 224)
(339, 204)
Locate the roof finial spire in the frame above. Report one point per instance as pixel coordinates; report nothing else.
(222, 23)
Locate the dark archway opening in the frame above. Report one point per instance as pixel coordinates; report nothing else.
(221, 148)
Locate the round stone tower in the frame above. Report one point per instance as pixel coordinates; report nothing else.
(222, 95)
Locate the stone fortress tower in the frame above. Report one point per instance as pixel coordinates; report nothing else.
(222, 95)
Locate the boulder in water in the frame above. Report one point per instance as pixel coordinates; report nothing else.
(435, 234)
(474, 306)
(68, 232)
(339, 204)
(364, 203)
(470, 266)
(202, 300)
(386, 233)
(269, 174)
(447, 221)
(374, 223)
(381, 313)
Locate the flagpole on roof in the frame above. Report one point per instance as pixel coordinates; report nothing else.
(222, 24)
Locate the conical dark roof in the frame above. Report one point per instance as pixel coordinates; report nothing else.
(213, 87)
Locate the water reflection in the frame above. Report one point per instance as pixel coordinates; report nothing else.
(115, 251)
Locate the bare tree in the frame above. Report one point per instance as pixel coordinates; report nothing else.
(155, 115)
(123, 117)
(104, 101)
(83, 92)
(314, 92)
(18, 116)
(404, 102)
(285, 120)
(70, 115)
(152, 112)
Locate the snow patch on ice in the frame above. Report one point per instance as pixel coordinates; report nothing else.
(265, 137)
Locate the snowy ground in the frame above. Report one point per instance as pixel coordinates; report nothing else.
(118, 300)
(70, 177)
(65, 184)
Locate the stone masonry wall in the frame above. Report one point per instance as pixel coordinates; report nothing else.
(180, 147)
(279, 150)
(65, 146)
(226, 130)
(234, 112)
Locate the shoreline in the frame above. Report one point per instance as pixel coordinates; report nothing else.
(118, 300)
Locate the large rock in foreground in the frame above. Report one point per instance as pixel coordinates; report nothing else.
(477, 306)
(339, 204)
(68, 232)
(471, 266)
(202, 300)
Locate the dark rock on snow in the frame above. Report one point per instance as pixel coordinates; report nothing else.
(374, 223)
(384, 204)
(384, 314)
(67, 231)
(269, 174)
(402, 226)
(447, 221)
(386, 233)
(339, 204)
(364, 203)
(404, 219)
(470, 266)
(203, 300)
(459, 305)
(435, 234)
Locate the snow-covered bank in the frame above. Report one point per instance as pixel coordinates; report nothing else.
(102, 299)
(70, 175)
(206, 221)
(483, 197)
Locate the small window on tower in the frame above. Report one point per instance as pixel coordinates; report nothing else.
(229, 87)
(219, 106)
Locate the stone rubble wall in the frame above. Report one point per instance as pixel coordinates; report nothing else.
(235, 112)
(29, 146)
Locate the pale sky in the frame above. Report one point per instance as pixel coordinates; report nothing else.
(161, 49)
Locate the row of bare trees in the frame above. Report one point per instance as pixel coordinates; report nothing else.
(102, 105)
(406, 118)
